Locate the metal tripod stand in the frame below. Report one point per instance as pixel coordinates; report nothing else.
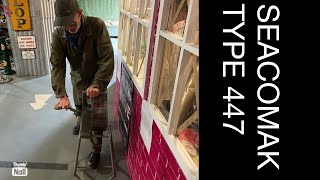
(93, 117)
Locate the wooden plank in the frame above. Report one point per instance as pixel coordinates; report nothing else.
(188, 93)
(196, 78)
(128, 58)
(189, 121)
(139, 85)
(194, 49)
(191, 89)
(178, 90)
(146, 9)
(155, 74)
(145, 23)
(164, 13)
(121, 4)
(124, 35)
(189, 16)
(176, 14)
(141, 8)
(120, 31)
(133, 7)
(127, 37)
(126, 5)
(158, 51)
(164, 111)
(148, 41)
(160, 94)
(144, 38)
(141, 64)
(136, 18)
(171, 58)
(137, 50)
(154, 71)
(192, 35)
(173, 65)
(174, 38)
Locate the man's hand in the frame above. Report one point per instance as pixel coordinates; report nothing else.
(92, 92)
(64, 102)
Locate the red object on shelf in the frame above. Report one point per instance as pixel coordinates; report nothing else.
(190, 136)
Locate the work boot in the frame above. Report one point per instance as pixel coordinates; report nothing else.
(76, 129)
(94, 158)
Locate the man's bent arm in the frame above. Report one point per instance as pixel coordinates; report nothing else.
(106, 58)
(58, 63)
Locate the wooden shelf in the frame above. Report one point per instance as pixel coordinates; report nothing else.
(136, 18)
(192, 48)
(176, 39)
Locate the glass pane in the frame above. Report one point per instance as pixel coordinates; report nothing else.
(177, 16)
(188, 124)
(170, 58)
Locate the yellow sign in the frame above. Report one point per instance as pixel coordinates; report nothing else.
(20, 15)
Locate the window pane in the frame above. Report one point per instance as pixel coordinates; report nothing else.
(131, 43)
(170, 58)
(134, 4)
(188, 123)
(193, 29)
(145, 9)
(178, 11)
(126, 5)
(142, 53)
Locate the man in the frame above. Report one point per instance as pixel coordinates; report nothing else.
(85, 42)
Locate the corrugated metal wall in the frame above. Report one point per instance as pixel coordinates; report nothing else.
(48, 18)
(42, 17)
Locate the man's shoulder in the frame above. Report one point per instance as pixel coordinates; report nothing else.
(94, 20)
(58, 31)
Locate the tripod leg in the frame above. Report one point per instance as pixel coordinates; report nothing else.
(112, 154)
(77, 156)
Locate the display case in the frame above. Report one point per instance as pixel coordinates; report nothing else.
(173, 92)
(174, 88)
(134, 36)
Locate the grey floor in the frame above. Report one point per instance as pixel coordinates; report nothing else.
(34, 132)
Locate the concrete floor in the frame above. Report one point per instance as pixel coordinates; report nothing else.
(34, 132)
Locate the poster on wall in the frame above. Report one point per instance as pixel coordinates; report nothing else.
(125, 102)
(28, 55)
(26, 42)
(20, 15)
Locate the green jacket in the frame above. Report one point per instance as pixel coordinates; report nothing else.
(94, 66)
